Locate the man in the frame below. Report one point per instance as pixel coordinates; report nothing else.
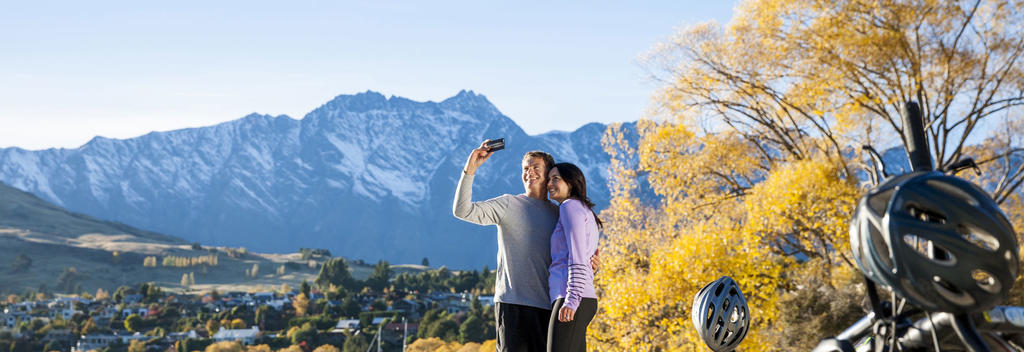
(525, 222)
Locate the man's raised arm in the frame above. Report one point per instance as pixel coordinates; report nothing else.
(487, 212)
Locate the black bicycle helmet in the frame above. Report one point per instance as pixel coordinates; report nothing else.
(720, 314)
(937, 240)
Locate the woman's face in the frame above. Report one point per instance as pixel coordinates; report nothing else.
(558, 190)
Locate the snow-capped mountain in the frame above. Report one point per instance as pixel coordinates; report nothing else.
(364, 176)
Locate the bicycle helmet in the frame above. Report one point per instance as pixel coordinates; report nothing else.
(937, 240)
(720, 314)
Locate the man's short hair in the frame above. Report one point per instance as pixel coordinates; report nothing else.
(549, 162)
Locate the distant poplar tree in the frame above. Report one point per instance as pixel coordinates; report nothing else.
(382, 273)
(335, 271)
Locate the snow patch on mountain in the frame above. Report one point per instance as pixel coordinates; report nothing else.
(362, 175)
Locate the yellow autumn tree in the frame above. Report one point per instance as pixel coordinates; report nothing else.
(802, 208)
(433, 344)
(292, 348)
(657, 256)
(327, 348)
(225, 346)
(258, 348)
(749, 163)
(301, 304)
(137, 346)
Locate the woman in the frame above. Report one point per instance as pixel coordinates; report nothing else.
(570, 277)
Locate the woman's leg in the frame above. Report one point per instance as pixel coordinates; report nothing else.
(553, 323)
(570, 336)
(584, 315)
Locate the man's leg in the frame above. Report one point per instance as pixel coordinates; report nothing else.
(538, 327)
(520, 328)
(507, 318)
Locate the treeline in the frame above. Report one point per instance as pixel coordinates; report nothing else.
(479, 282)
(335, 275)
(182, 262)
(477, 325)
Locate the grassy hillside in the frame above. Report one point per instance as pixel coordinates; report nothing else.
(107, 255)
(23, 210)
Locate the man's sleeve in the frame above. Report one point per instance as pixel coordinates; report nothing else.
(488, 212)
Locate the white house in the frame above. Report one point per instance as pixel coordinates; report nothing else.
(129, 311)
(99, 341)
(66, 302)
(178, 336)
(65, 313)
(486, 300)
(108, 313)
(94, 342)
(132, 298)
(263, 297)
(278, 304)
(245, 336)
(9, 321)
(26, 306)
(346, 325)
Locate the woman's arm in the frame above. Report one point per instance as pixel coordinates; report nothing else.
(574, 218)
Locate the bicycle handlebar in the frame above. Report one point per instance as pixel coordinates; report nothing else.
(917, 142)
(918, 336)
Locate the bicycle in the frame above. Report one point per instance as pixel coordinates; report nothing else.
(962, 318)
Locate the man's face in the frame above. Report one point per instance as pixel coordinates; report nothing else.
(534, 177)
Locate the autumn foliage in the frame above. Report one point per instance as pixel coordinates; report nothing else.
(749, 163)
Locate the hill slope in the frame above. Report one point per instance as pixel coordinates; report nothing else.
(107, 254)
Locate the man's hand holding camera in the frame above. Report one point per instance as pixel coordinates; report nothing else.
(477, 158)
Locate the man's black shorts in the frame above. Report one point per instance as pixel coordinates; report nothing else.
(521, 328)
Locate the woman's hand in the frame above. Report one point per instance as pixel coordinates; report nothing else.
(566, 314)
(595, 261)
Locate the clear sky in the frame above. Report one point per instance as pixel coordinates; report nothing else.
(72, 70)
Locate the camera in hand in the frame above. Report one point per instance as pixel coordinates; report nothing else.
(495, 144)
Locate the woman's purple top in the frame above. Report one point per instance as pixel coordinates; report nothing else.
(572, 244)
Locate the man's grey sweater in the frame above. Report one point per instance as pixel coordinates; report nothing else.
(524, 241)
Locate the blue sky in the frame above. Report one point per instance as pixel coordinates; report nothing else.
(73, 70)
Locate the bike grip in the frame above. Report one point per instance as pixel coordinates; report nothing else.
(917, 142)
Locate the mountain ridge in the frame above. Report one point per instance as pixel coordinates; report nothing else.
(364, 175)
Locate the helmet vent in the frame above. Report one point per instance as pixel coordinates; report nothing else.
(882, 247)
(929, 249)
(953, 191)
(735, 316)
(710, 316)
(879, 202)
(986, 281)
(951, 293)
(978, 238)
(926, 215)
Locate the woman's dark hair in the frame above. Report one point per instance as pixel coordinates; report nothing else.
(577, 186)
